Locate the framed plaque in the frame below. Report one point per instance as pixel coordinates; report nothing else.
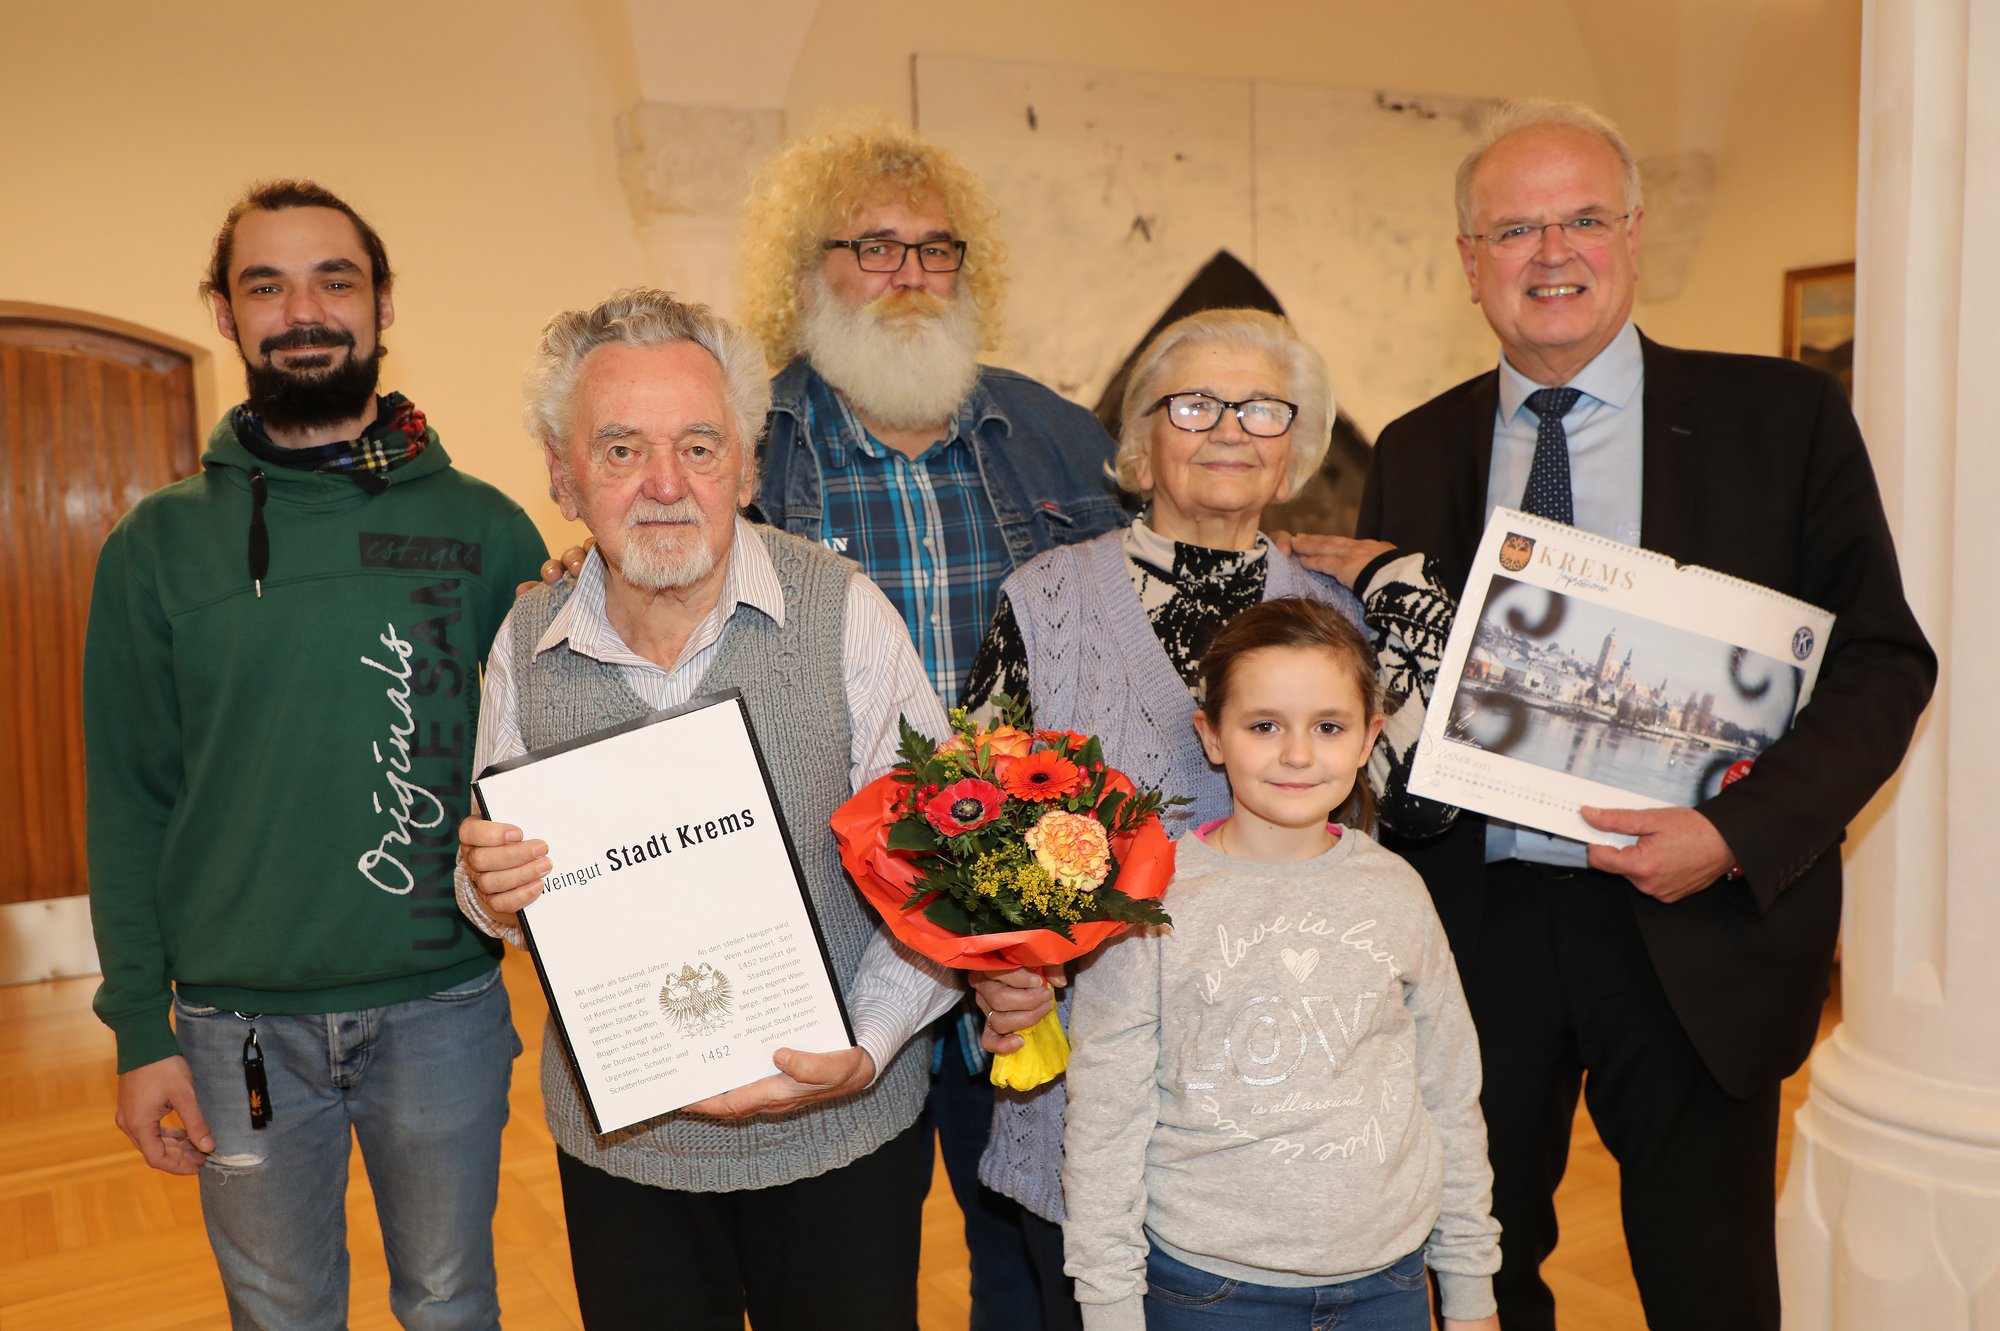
(675, 938)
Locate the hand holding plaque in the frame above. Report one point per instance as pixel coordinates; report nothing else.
(506, 870)
(802, 1078)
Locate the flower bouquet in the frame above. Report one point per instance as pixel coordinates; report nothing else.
(1007, 847)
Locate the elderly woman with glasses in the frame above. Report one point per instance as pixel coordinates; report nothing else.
(1225, 413)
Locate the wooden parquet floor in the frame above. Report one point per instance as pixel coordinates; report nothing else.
(93, 1240)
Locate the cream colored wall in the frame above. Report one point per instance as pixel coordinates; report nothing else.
(1771, 87)
(476, 138)
(1454, 46)
(1785, 189)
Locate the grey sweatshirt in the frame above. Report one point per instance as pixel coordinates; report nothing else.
(1282, 1089)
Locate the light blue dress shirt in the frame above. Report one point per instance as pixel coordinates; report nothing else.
(1606, 430)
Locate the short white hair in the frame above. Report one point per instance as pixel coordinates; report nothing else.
(1257, 331)
(1509, 118)
(644, 317)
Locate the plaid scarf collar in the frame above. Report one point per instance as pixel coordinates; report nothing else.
(398, 434)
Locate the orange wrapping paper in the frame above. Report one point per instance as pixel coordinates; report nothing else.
(886, 878)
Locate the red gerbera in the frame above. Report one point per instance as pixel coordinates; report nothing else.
(964, 806)
(1044, 775)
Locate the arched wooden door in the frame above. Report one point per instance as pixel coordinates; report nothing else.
(91, 421)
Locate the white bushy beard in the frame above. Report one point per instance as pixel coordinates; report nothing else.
(656, 560)
(905, 360)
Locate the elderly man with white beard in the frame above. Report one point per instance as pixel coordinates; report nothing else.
(648, 410)
(873, 276)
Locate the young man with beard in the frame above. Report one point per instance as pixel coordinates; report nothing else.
(280, 699)
(873, 275)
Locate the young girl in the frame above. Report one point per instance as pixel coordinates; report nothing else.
(1274, 1107)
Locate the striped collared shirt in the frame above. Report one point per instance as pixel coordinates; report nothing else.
(922, 528)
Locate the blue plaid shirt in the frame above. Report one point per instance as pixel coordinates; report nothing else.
(921, 528)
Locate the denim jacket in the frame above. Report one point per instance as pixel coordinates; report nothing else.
(1042, 459)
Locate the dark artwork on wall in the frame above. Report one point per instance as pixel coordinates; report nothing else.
(1328, 502)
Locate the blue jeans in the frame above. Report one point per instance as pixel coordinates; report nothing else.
(423, 1086)
(1181, 1298)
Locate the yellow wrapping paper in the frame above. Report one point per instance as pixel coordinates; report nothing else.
(1042, 1059)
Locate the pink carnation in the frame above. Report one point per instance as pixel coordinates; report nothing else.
(1073, 847)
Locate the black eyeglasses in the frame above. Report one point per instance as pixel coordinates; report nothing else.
(878, 254)
(1264, 417)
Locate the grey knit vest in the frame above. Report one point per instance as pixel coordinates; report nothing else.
(1096, 666)
(794, 687)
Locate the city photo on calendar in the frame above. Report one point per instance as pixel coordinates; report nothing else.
(1595, 691)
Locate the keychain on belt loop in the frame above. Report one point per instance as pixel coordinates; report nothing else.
(253, 1076)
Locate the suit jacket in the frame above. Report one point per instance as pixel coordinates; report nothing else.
(1753, 466)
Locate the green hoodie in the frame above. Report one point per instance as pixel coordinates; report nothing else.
(276, 779)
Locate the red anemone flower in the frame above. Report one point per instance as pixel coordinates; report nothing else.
(964, 806)
(1044, 775)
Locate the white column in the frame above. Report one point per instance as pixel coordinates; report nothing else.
(1890, 1217)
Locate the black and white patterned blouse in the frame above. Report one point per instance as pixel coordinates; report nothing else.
(1190, 591)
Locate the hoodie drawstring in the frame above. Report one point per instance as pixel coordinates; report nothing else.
(260, 536)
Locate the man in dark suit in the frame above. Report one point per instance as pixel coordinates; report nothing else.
(1676, 981)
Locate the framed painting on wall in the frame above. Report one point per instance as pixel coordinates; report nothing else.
(1819, 319)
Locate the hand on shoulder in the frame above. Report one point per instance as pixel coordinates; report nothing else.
(568, 564)
(1343, 558)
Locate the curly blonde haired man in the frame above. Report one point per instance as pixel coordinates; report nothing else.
(873, 276)
(810, 191)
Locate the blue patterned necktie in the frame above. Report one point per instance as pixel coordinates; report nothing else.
(1548, 493)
